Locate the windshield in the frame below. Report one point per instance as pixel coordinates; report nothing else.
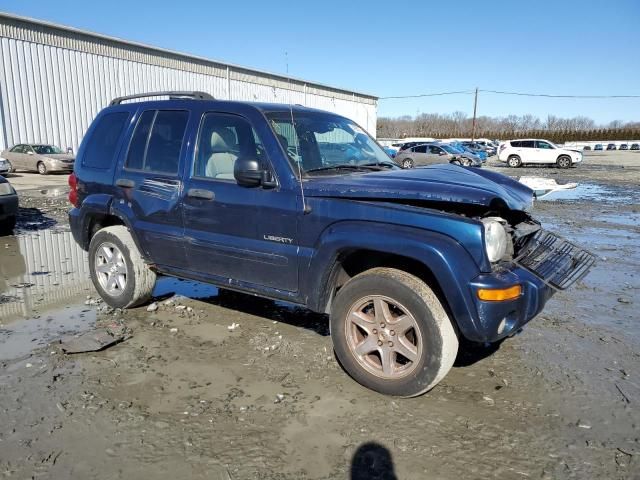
(450, 149)
(326, 142)
(47, 149)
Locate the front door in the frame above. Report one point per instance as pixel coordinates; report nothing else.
(237, 233)
(545, 152)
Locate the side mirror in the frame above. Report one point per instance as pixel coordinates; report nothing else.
(442, 153)
(30, 152)
(70, 150)
(247, 172)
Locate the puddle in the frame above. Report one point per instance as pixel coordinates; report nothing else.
(628, 219)
(587, 191)
(186, 288)
(20, 337)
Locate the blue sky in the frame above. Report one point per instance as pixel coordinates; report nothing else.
(387, 48)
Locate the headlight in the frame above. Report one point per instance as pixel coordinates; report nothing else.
(6, 189)
(495, 238)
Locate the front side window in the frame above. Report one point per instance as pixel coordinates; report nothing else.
(316, 142)
(544, 145)
(221, 141)
(157, 141)
(101, 146)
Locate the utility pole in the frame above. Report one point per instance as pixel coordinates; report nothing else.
(475, 108)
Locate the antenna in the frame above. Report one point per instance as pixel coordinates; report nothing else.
(305, 208)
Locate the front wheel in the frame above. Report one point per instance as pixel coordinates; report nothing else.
(467, 162)
(407, 163)
(564, 161)
(391, 333)
(117, 269)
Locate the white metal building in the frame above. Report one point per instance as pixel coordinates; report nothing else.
(54, 79)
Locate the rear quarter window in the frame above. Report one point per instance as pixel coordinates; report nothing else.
(516, 144)
(101, 146)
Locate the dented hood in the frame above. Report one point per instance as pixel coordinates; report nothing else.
(437, 183)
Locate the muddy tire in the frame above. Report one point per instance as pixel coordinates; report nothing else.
(42, 168)
(514, 161)
(407, 163)
(391, 333)
(117, 269)
(564, 161)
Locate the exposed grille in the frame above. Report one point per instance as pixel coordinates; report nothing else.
(555, 260)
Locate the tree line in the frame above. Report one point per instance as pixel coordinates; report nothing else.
(553, 128)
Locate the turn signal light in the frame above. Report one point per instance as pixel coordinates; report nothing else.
(499, 294)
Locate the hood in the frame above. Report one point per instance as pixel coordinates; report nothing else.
(438, 183)
(59, 156)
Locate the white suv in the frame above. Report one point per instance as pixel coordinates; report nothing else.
(518, 152)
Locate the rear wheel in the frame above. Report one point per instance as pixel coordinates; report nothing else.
(117, 269)
(391, 333)
(514, 161)
(407, 163)
(564, 161)
(42, 168)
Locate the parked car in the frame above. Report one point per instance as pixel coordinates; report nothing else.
(5, 166)
(406, 145)
(624, 146)
(598, 147)
(611, 146)
(587, 147)
(38, 158)
(8, 206)
(434, 153)
(471, 147)
(406, 262)
(635, 146)
(516, 153)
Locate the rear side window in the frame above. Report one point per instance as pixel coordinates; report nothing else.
(420, 149)
(516, 143)
(157, 141)
(527, 144)
(101, 146)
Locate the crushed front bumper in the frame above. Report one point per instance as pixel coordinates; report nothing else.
(545, 264)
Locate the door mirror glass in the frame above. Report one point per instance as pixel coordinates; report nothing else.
(247, 172)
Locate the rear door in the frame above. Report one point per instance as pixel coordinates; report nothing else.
(237, 233)
(150, 184)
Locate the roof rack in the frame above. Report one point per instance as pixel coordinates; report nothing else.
(171, 94)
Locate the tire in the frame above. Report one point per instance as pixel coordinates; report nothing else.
(466, 162)
(427, 337)
(8, 225)
(564, 161)
(514, 161)
(11, 169)
(126, 281)
(456, 162)
(42, 168)
(407, 163)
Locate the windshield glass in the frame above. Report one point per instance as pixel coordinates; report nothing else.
(322, 141)
(450, 149)
(47, 149)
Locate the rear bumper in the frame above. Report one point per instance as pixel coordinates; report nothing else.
(8, 206)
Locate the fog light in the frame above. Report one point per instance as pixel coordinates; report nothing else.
(499, 294)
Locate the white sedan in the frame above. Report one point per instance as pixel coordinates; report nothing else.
(518, 152)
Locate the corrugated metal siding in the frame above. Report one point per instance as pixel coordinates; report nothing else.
(53, 82)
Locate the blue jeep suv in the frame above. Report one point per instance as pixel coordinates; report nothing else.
(405, 262)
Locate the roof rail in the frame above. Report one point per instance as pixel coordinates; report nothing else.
(170, 94)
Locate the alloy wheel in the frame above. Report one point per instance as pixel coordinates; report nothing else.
(111, 269)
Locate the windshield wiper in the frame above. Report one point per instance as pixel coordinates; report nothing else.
(345, 166)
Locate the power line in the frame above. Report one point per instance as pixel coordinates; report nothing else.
(500, 92)
(521, 94)
(462, 92)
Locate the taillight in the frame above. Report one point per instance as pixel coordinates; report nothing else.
(73, 193)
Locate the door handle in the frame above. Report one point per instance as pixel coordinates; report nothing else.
(125, 182)
(201, 194)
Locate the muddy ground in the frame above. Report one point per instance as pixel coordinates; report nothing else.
(187, 397)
